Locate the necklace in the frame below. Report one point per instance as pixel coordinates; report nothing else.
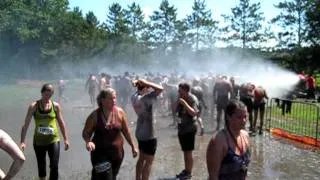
(106, 120)
(235, 141)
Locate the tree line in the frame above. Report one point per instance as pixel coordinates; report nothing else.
(42, 35)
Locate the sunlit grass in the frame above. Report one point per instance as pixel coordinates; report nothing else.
(303, 119)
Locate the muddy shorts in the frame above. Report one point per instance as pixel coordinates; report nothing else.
(222, 102)
(187, 141)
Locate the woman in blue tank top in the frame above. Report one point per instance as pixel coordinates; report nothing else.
(228, 153)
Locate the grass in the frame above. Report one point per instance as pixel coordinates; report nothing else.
(317, 76)
(301, 121)
(14, 94)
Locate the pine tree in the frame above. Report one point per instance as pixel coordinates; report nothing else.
(292, 20)
(245, 24)
(200, 24)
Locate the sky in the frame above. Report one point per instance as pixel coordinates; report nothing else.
(184, 7)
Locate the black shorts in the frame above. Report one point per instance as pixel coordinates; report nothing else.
(258, 105)
(148, 147)
(222, 102)
(187, 141)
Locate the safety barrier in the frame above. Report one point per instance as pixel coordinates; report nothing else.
(296, 120)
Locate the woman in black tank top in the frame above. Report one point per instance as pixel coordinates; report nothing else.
(108, 123)
(228, 153)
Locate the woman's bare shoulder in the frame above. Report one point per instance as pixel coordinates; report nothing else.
(93, 114)
(218, 137)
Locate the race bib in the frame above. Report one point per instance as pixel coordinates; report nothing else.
(46, 130)
(102, 167)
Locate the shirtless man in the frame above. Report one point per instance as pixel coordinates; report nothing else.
(246, 96)
(222, 92)
(104, 82)
(8, 145)
(259, 102)
(235, 89)
(124, 89)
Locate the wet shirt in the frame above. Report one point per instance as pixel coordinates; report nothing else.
(311, 83)
(143, 105)
(46, 130)
(108, 138)
(188, 122)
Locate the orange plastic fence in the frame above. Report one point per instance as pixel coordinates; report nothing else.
(302, 139)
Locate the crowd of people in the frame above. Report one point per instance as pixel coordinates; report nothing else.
(188, 100)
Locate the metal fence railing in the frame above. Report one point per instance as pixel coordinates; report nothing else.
(297, 118)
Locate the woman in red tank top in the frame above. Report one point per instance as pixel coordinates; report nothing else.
(108, 123)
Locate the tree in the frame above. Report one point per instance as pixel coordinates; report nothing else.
(163, 24)
(135, 20)
(180, 41)
(292, 20)
(200, 23)
(116, 22)
(245, 24)
(313, 22)
(92, 19)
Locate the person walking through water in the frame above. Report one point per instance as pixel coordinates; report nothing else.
(222, 92)
(187, 108)
(104, 81)
(143, 101)
(228, 152)
(47, 114)
(259, 103)
(61, 89)
(10, 147)
(92, 85)
(247, 96)
(107, 124)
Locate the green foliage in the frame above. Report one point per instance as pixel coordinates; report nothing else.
(245, 23)
(135, 20)
(163, 24)
(201, 26)
(313, 21)
(44, 35)
(301, 121)
(292, 20)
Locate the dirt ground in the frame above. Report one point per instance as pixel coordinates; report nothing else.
(271, 158)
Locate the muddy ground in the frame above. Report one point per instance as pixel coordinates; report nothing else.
(272, 158)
